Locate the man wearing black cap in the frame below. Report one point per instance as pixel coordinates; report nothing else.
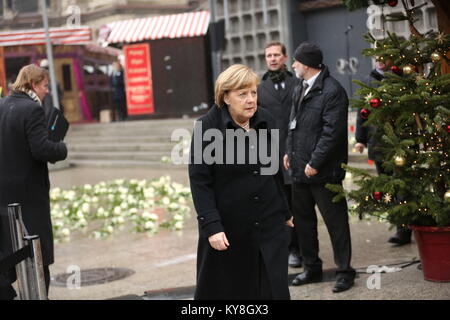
(317, 145)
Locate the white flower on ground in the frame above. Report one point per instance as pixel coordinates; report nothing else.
(166, 201)
(153, 216)
(80, 214)
(149, 225)
(109, 229)
(58, 224)
(82, 223)
(178, 225)
(85, 207)
(65, 232)
(178, 217)
(117, 211)
(174, 206)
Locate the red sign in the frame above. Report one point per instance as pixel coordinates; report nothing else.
(138, 75)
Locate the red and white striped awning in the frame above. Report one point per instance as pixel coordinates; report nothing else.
(183, 25)
(80, 35)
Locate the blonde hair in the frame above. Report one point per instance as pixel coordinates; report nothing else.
(29, 75)
(234, 77)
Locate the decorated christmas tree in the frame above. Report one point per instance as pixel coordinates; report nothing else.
(410, 109)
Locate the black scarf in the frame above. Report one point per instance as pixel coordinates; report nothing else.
(277, 76)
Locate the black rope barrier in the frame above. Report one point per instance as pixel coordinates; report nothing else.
(10, 262)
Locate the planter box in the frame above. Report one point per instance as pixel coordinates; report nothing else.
(434, 250)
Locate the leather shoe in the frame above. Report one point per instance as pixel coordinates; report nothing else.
(307, 277)
(343, 284)
(402, 237)
(295, 260)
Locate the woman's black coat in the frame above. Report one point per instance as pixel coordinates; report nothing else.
(250, 208)
(24, 153)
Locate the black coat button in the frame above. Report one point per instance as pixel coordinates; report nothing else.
(256, 198)
(256, 224)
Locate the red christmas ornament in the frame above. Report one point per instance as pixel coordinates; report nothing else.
(377, 195)
(448, 128)
(364, 113)
(396, 70)
(393, 3)
(375, 102)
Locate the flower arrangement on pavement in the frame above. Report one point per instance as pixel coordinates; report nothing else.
(107, 207)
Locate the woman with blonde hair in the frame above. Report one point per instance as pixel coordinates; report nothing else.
(242, 212)
(24, 152)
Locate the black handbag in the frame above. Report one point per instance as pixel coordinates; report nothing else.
(57, 125)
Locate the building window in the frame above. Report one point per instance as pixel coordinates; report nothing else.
(67, 77)
(29, 6)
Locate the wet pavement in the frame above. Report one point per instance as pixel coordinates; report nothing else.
(163, 265)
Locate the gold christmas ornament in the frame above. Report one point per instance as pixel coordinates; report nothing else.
(399, 161)
(447, 196)
(387, 198)
(408, 69)
(436, 57)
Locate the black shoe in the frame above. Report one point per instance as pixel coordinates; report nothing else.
(402, 237)
(307, 277)
(295, 260)
(343, 284)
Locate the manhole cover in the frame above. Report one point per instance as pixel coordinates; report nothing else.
(91, 277)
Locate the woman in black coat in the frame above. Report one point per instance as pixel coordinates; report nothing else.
(24, 152)
(242, 210)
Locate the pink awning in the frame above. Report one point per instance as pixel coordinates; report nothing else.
(183, 25)
(69, 36)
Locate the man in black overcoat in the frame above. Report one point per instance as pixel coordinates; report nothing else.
(275, 95)
(316, 148)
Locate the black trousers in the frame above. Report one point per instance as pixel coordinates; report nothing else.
(335, 215)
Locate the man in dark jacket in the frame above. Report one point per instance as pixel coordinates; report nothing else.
(24, 152)
(275, 95)
(118, 95)
(367, 136)
(316, 148)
